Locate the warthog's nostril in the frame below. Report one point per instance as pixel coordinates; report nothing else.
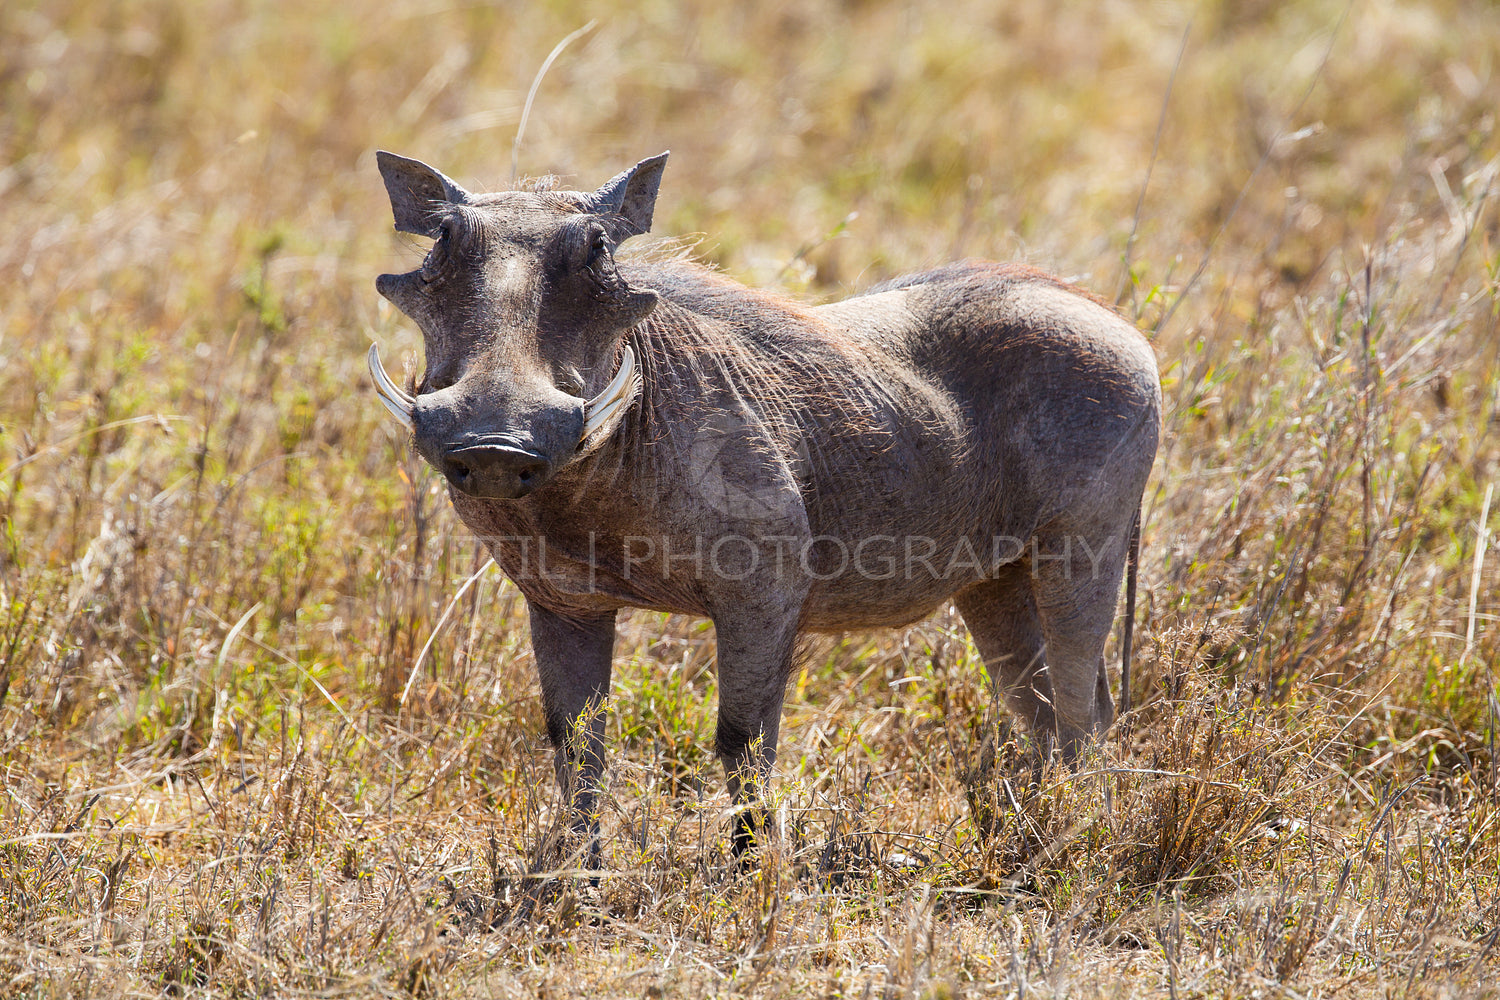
(528, 470)
(457, 473)
(494, 470)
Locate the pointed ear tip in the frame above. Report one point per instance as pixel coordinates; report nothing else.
(386, 161)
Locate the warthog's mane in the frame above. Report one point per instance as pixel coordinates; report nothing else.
(754, 357)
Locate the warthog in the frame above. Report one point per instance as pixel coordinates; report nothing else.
(648, 433)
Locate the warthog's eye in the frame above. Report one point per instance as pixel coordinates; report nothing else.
(432, 266)
(597, 248)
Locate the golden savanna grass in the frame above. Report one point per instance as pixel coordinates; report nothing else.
(258, 742)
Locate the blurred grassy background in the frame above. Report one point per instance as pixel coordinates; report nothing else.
(220, 565)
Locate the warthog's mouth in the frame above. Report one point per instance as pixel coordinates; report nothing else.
(601, 415)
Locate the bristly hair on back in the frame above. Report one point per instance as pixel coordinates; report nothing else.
(684, 249)
(763, 359)
(542, 184)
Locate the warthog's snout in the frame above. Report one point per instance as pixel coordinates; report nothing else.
(506, 466)
(496, 452)
(495, 469)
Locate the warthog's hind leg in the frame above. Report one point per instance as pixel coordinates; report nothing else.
(1076, 598)
(1002, 617)
(573, 658)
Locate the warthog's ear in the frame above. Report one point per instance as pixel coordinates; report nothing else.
(630, 195)
(418, 193)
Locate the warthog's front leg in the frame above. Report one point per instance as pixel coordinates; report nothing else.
(573, 659)
(755, 649)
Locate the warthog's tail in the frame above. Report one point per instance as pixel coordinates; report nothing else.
(1132, 565)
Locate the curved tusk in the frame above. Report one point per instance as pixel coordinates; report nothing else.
(616, 384)
(401, 415)
(387, 385)
(613, 399)
(396, 399)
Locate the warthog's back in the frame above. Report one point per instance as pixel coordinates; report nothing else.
(1054, 409)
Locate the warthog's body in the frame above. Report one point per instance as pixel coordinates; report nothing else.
(980, 433)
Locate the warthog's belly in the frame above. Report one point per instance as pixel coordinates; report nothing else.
(883, 580)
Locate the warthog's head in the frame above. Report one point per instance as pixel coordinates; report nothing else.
(523, 316)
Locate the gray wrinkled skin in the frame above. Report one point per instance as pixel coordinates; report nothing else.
(980, 433)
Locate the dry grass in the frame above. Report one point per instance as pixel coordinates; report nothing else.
(219, 565)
